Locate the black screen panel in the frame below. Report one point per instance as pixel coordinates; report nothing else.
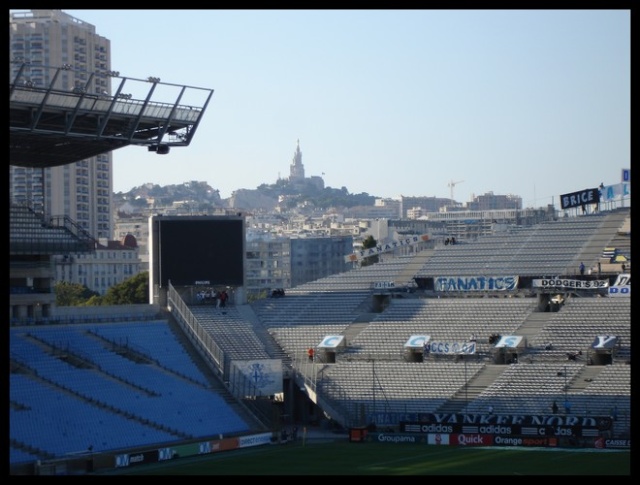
(203, 251)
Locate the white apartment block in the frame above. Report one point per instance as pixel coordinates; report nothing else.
(110, 264)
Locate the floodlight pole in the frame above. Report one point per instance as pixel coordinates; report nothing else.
(373, 384)
(466, 384)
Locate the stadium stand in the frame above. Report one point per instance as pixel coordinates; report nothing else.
(124, 384)
(81, 366)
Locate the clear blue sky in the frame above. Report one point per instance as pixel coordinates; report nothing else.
(534, 103)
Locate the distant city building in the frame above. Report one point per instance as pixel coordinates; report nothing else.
(138, 227)
(285, 262)
(315, 258)
(410, 227)
(250, 199)
(110, 264)
(393, 206)
(268, 263)
(489, 201)
(415, 213)
(388, 211)
(378, 228)
(470, 224)
(82, 190)
(427, 204)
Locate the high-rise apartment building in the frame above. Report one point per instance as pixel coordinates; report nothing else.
(82, 190)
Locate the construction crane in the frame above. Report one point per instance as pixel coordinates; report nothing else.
(452, 184)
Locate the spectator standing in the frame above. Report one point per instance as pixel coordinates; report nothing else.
(567, 406)
(582, 269)
(554, 408)
(223, 297)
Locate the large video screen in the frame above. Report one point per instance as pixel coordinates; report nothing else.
(204, 250)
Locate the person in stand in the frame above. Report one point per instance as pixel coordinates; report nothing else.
(567, 406)
(310, 354)
(582, 269)
(554, 408)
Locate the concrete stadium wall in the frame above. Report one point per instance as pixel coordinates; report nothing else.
(140, 311)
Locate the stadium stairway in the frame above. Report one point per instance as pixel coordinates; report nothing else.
(271, 346)
(474, 387)
(196, 358)
(592, 250)
(582, 379)
(415, 264)
(214, 380)
(533, 325)
(352, 331)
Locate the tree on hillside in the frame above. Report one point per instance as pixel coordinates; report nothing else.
(95, 300)
(130, 291)
(368, 243)
(72, 294)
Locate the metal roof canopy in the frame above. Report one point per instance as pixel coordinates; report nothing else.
(51, 126)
